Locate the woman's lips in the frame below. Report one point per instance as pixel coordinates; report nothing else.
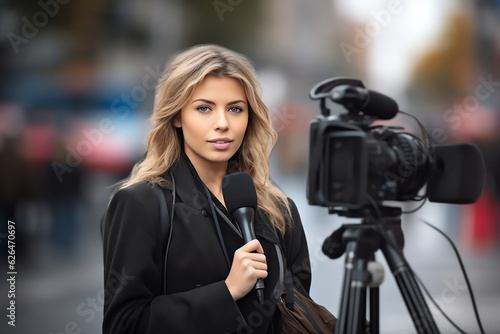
(221, 143)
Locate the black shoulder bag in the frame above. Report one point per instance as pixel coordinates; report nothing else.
(300, 314)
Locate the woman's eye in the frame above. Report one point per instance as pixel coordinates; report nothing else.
(203, 108)
(235, 109)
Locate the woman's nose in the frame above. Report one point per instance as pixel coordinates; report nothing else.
(221, 122)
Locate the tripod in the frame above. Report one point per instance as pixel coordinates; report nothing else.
(360, 242)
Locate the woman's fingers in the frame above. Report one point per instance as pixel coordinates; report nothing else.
(252, 246)
(250, 256)
(249, 264)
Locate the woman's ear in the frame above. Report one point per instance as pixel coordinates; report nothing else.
(177, 120)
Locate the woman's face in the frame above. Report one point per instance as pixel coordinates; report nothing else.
(214, 120)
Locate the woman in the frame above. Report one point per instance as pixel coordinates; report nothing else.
(209, 121)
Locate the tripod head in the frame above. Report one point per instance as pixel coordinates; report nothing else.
(335, 245)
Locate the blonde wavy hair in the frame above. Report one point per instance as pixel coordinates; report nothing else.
(164, 142)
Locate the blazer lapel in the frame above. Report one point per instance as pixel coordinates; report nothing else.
(186, 188)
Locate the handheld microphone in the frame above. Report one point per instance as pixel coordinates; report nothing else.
(368, 101)
(241, 201)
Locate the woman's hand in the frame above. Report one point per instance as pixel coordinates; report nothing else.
(249, 264)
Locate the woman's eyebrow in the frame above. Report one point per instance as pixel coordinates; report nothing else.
(237, 101)
(213, 103)
(204, 100)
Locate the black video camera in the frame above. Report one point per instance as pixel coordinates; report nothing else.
(352, 161)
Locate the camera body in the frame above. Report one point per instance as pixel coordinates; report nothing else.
(352, 162)
(348, 161)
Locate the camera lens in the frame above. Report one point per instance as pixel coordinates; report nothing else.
(399, 167)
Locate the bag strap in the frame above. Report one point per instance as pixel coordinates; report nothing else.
(166, 224)
(289, 287)
(286, 275)
(160, 195)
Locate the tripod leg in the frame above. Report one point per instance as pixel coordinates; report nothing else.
(341, 325)
(414, 300)
(357, 311)
(353, 305)
(374, 310)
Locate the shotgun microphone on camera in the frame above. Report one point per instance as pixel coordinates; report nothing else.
(369, 102)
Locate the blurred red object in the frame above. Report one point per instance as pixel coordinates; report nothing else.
(480, 223)
(38, 142)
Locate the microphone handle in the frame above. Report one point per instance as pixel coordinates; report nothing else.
(244, 217)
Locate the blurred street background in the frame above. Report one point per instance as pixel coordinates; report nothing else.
(77, 84)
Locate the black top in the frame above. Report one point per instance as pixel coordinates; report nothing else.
(201, 188)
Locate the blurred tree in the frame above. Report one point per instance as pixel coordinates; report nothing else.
(230, 23)
(444, 72)
(82, 21)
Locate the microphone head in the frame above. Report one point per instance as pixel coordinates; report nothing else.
(380, 106)
(238, 190)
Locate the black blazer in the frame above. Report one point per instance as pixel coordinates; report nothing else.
(197, 299)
